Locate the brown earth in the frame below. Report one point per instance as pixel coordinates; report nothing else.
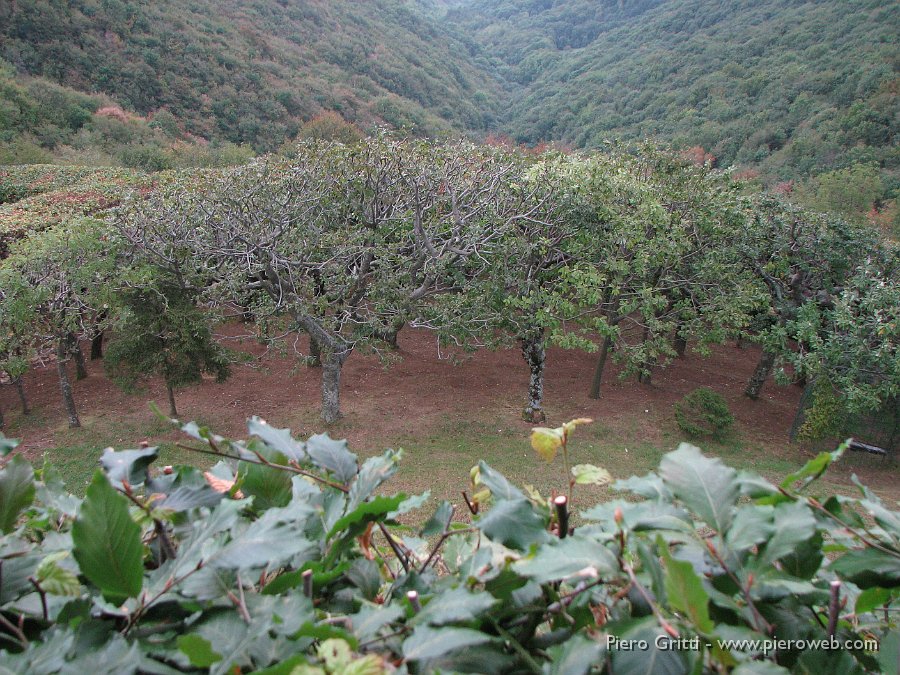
(427, 391)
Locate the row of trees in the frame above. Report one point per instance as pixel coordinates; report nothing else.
(629, 254)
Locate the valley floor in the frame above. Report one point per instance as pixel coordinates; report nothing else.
(446, 413)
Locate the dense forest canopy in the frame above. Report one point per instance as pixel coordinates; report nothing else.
(786, 88)
(251, 72)
(793, 87)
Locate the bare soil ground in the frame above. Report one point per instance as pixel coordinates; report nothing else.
(448, 411)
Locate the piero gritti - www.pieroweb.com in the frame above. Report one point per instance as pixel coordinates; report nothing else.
(764, 645)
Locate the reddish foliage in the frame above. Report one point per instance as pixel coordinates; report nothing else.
(783, 188)
(699, 156)
(113, 111)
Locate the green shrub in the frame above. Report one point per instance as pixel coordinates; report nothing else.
(290, 556)
(703, 412)
(828, 415)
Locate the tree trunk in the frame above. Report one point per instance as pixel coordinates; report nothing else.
(645, 373)
(20, 390)
(680, 346)
(97, 340)
(173, 411)
(389, 336)
(806, 400)
(760, 375)
(535, 356)
(331, 386)
(598, 369)
(1, 417)
(314, 360)
(97, 346)
(75, 350)
(64, 384)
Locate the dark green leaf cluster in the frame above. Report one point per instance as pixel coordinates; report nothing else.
(289, 556)
(703, 412)
(161, 330)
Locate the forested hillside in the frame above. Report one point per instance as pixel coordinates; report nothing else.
(792, 87)
(252, 72)
(791, 90)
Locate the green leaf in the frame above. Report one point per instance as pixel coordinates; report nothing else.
(827, 662)
(127, 465)
(439, 521)
(289, 667)
(875, 598)
(685, 591)
(708, 487)
(373, 473)
(588, 474)
(16, 491)
(57, 580)
(332, 455)
(650, 661)
(752, 525)
(868, 567)
(231, 637)
(453, 606)
(366, 513)
(649, 486)
(7, 445)
(429, 643)
(107, 542)
(116, 656)
(269, 487)
(813, 468)
(16, 571)
(324, 631)
(514, 523)
(198, 650)
(575, 656)
(372, 618)
(794, 523)
(889, 652)
(759, 668)
(496, 482)
(186, 497)
(563, 558)
(277, 439)
(275, 537)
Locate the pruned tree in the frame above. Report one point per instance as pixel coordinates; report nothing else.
(544, 283)
(53, 284)
(160, 330)
(853, 341)
(341, 241)
(798, 259)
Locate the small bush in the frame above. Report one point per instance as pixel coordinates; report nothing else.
(827, 417)
(703, 412)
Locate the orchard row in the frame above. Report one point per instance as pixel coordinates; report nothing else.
(632, 255)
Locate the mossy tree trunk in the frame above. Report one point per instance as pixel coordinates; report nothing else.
(23, 398)
(760, 375)
(535, 355)
(170, 390)
(605, 347)
(62, 357)
(74, 348)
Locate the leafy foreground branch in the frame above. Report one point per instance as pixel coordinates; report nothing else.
(290, 557)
